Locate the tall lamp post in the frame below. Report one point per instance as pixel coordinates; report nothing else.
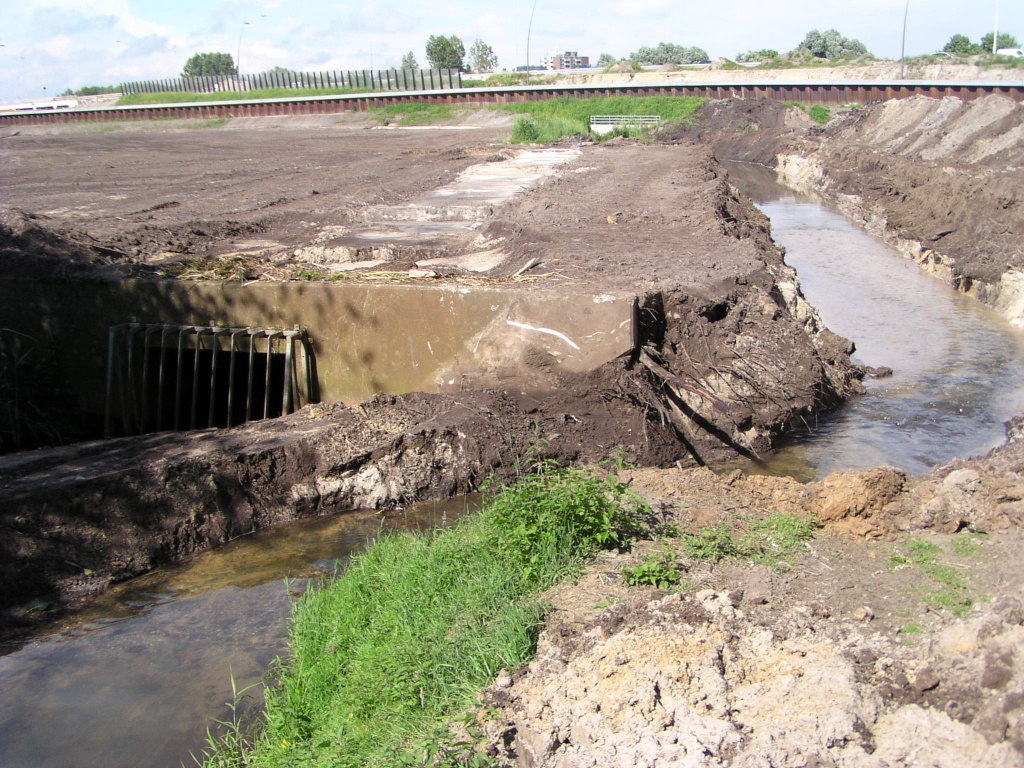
(528, 29)
(238, 57)
(995, 32)
(903, 45)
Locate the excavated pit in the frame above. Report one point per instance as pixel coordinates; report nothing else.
(616, 300)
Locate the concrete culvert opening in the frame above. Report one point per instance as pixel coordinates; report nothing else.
(164, 377)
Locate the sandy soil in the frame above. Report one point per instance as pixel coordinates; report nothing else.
(852, 654)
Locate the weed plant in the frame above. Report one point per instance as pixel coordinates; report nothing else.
(386, 655)
(773, 541)
(188, 97)
(660, 571)
(555, 118)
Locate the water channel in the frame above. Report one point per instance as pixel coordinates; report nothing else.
(958, 366)
(136, 678)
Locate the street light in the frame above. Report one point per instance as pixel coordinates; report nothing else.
(528, 28)
(238, 58)
(903, 45)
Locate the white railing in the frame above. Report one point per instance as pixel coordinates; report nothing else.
(608, 123)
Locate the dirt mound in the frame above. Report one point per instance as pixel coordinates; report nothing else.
(694, 680)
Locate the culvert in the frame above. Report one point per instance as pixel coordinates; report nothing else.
(174, 377)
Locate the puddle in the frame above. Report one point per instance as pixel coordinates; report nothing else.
(958, 365)
(135, 679)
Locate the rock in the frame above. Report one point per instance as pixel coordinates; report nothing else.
(852, 501)
(863, 614)
(925, 680)
(966, 480)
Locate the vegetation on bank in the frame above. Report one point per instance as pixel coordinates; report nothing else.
(550, 120)
(384, 657)
(187, 97)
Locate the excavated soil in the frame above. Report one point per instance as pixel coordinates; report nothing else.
(940, 179)
(852, 654)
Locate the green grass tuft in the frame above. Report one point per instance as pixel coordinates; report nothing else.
(773, 541)
(555, 118)
(188, 97)
(389, 653)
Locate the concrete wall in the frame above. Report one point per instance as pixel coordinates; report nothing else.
(366, 338)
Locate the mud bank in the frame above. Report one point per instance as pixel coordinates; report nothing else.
(843, 659)
(938, 179)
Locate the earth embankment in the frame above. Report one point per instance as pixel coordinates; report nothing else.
(939, 179)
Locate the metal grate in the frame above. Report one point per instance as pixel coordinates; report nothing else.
(172, 377)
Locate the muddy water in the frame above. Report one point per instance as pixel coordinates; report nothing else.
(958, 366)
(135, 680)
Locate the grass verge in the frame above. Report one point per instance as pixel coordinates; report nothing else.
(949, 588)
(550, 120)
(386, 656)
(413, 114)
(187, 97)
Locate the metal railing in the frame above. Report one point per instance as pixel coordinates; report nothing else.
(171, 377)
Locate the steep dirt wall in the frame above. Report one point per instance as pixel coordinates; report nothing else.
(938, 179)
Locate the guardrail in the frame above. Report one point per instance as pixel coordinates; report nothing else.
(847, 92)
(608, 123)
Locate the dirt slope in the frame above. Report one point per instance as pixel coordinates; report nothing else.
(853, 655)
(939, 179)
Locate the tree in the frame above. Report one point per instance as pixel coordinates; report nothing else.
(409, 61)
(961, 45)
(446, 52)
(765, 54)
(481, 57)
(1006, 40)
(606, 60)
(202, 64)
(667, 53)
(831, 45)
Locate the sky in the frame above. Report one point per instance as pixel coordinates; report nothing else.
(50, 45)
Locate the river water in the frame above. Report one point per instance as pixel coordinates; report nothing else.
(136, 679)
(958, 366)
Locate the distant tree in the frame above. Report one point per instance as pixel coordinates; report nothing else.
(667, 53)
(279, 71)
(961, 45)
(606, 60)
(409, 61)
(764, 54)
(446, 52)
(1006, 40)
(831, 45)
(481, 57)
(202, 64)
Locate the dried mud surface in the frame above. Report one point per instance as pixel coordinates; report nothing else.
(845, 657)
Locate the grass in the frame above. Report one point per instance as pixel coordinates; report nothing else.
(773, 541)
(547, 121)
(413, 114)
(385, 657)
(949, 588)
(186, 97)
(819, 113)
(1010, 62)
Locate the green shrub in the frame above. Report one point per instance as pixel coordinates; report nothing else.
(818, 113)
(660, 571)
(524, 130)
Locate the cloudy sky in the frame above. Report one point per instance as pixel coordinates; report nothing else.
(56, 44)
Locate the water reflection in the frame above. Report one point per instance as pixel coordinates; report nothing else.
(135, 679)
(958, 365)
